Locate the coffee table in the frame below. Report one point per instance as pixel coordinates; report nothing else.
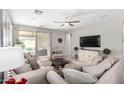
(59, 63)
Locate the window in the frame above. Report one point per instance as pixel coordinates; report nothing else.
(28, 38)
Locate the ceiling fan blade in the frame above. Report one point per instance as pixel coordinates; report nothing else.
(71, 24)
(74, 21)
(62, 25)
(59, 22)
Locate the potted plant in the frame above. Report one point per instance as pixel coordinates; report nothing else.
(76, 50)
(106, 52)
(19, 43)
(53, 52)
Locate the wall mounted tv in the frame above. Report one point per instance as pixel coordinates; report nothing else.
(90, 41)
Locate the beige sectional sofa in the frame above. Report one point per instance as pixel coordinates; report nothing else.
(48, 75)
(40, 76)
(112, 76)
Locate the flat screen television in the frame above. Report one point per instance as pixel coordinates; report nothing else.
(90, 41)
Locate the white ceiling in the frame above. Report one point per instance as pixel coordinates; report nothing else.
(47, 18)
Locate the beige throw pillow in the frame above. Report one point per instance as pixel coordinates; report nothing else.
(23, 69)
(96, 60)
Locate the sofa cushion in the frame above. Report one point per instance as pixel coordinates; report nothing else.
(99, 69)
(23, 69)
(54, 78)
(112, 59)
(96, 60)
(44, 63)
(113, 75)
(27, 55)
(71, 65)
(34, 64)
(77, 77)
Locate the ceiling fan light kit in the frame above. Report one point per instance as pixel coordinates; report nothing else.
(38, 12)
(66, 23)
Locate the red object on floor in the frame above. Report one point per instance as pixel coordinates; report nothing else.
(13, 81)
(23, 81)
(10, 81)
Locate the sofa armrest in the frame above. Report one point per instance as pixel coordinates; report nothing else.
(54, 78)
(114, 75)
(36, 76)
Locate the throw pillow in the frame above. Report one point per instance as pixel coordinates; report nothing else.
(34, 64)
(112, 59)
(6, 74)
(97, 60)
(99, 69)
(23, 69)
(27, 55)
(77, 77)
(73, 66)
(54, 78)
(44, 63)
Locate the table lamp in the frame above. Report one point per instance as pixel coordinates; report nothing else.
(11, 58)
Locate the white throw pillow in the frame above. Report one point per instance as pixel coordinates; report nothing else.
(23, 69)
(99, 69)
(77, 77)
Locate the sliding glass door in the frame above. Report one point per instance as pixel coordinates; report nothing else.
(36, 43)
(43, 45)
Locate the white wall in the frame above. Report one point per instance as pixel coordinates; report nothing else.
(110, 31)
(67, 46)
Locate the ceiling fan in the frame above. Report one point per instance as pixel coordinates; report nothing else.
(70, 23)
